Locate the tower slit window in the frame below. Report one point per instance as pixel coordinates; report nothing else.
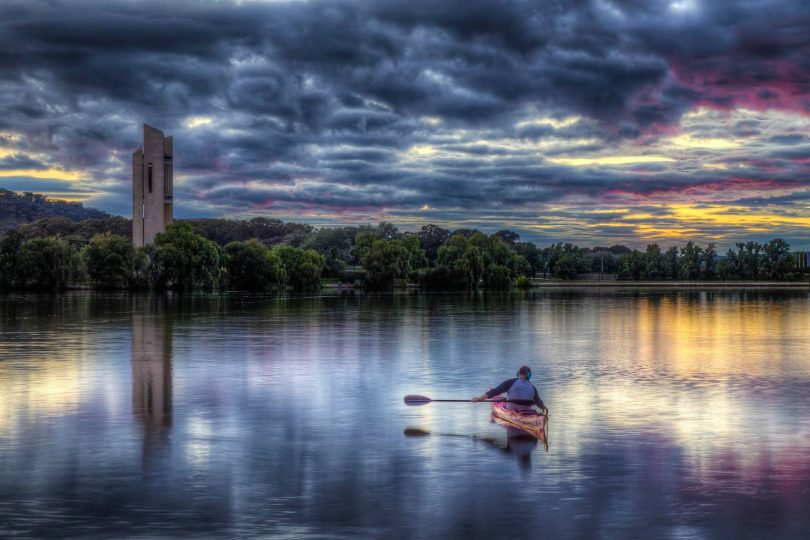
(167, 179)
(150, 178)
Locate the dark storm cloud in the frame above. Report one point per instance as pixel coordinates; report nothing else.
(393, 106)
(19, 161)
(789, 139)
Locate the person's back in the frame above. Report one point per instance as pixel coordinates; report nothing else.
(520, 393)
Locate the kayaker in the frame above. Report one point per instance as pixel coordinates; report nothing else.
(519, 391)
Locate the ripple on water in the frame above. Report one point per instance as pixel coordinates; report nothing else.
(672, 414)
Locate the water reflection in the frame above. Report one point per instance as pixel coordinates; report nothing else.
(521, 442)
(152, 372)
(676, 414)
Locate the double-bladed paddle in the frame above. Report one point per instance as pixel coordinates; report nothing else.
(422, 400)
(415, 400)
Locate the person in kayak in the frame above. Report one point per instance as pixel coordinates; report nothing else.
(519, 391)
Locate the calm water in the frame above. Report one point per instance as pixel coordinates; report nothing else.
(673, 414)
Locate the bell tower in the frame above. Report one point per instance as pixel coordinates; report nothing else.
(152, 186)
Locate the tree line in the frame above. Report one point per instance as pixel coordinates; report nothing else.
(178, 259)
(19, 208)
(265, 254)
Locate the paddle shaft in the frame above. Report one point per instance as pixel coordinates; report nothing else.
(471, 401)
(424, 399)
(413, 399)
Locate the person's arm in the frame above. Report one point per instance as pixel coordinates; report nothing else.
(538, 401)
(498, 390)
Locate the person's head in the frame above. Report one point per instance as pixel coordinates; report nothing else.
(525, 372)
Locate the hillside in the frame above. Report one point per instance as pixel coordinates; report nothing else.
(21, 208)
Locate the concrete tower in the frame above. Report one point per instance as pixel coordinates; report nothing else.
(152, 186)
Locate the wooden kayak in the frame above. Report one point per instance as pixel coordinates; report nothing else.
(530, 421)
(514, 433)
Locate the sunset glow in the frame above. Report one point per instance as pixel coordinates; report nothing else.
(524, 124)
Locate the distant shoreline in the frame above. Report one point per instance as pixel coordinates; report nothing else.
(561, 284)
(672, 284)
(537, 285)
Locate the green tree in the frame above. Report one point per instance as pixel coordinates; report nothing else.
(496, 252)
(749, 259)
(417, 259)
(268, 231)
(569, 265)
(19, 208)
(186, 261)
(492, 248)
(9, 251)
(460, 254)
(672, 263)
(48, 264)
(725, 269)
(497, 276)
(302, 267)
(142, 268)
(384, 262)
(363, 242)
(459, 266)
(602, 261)
(296, 237)
(387, 231)
(508, 237)
(465, 232)
(336, 247)
(567, 261)
(710, 262)
(532, 254)
(252, 267)
(654, 263)
(732, 266)
(777, 260)
(110, 261)
(691, 256)
(633, 266)
(431, 238)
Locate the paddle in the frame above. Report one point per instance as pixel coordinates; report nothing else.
(417, 432)
(421, 400)
(415, 400)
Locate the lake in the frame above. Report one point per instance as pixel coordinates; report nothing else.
(675, 414)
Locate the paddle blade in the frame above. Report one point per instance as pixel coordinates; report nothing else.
(416, 432)
(417, 400)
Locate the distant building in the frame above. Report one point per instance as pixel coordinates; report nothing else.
(152, 186)
(801, 259)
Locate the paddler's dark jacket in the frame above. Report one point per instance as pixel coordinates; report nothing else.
(506, 385)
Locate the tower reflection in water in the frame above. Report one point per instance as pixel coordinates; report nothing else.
(152, 372)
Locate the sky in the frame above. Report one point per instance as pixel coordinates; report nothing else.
(597, 122)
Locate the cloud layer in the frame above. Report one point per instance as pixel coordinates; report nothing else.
(589, 121)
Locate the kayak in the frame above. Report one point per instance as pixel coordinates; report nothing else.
(530, 421)
(514, 433)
